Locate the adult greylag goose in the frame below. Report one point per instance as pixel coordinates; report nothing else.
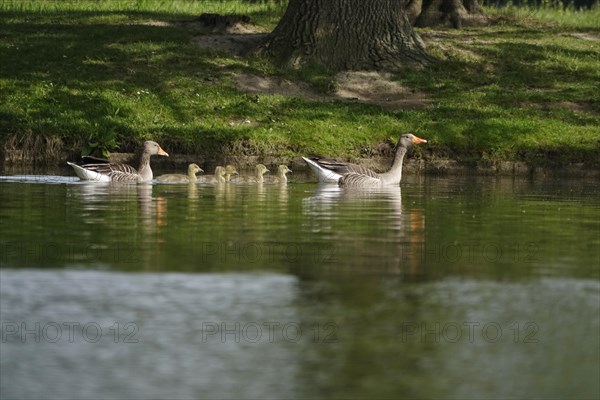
(352, 175)
(193, 169)
(229, 171)
(119, 172)
(256, 178)
(281, 177)
(218, 177)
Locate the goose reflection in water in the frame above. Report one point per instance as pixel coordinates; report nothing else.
(283, 194)
(99, 197)
(225, 195)
(192, 194)
(328, 197)
(49, 179)
(121, 216)
(342, 216)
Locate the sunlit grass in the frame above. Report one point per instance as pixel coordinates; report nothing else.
(557, 16)
(113, 11)
(164, 6)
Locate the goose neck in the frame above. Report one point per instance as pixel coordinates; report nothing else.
(394, 175)
(144, 169)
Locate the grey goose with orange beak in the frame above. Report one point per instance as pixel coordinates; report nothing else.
(352, 175)
(119, 172)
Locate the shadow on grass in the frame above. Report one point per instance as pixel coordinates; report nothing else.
(76, 80)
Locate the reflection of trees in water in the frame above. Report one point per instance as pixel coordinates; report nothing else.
(363, 337)
(505, 227)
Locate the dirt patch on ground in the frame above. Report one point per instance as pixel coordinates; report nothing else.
(236, 24)
(566, 105)
(585, 36)
(579, 107)
(377, 88)
(155, 23)
(276, 86)
(235, 44)
(368, 87)
(232, 33)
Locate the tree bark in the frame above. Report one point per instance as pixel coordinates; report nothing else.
(347, 35)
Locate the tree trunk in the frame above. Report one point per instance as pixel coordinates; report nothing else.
(455, 13)
(347, 35)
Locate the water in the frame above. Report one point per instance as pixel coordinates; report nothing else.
(447, 288)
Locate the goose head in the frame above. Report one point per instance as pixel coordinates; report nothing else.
(409, 139)
(219, 172)
(228, 171)
(193, 169)
(283, 169)
(152, 148)
(261, 170)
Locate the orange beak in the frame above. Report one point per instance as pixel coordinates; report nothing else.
(418, 140)
(161, 152)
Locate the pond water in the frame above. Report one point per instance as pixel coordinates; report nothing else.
(464, 287)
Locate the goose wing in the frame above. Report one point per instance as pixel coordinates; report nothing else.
(210, 179)
(94, 160)
(117, 172)
(173, 178)
(331, 164)
(358, 170)
(273, 179)
(344, 168)
(353, 179)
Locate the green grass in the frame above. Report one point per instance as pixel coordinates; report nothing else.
(562, 18)
(98, 76)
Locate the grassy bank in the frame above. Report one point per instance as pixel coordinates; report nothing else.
(86, 76)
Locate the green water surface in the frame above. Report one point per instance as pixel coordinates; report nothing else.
(465, 287)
